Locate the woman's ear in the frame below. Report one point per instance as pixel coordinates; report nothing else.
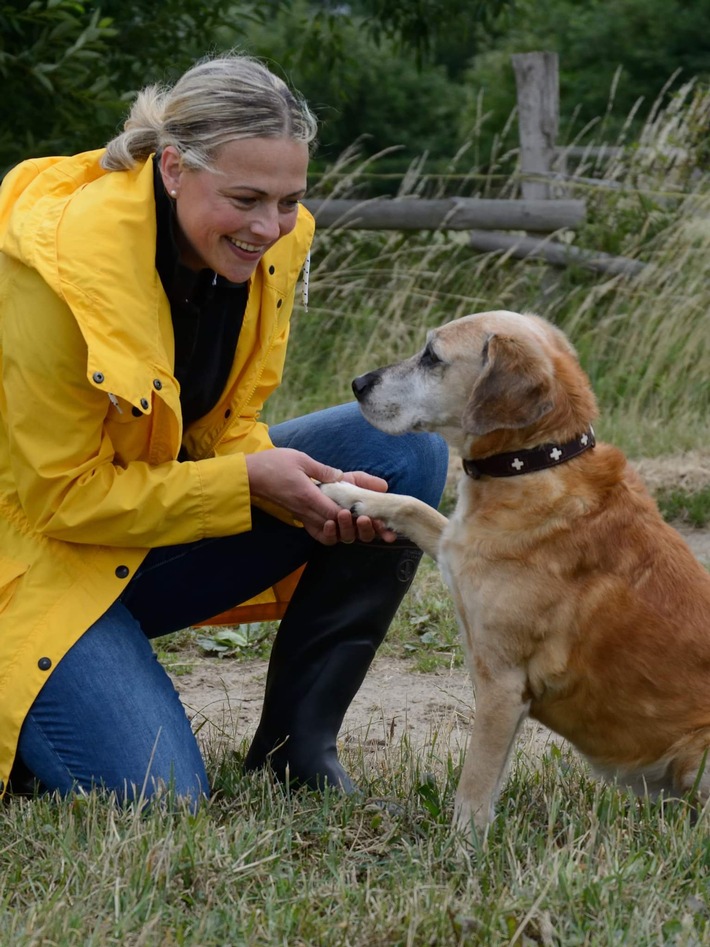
(513, 391)
(171, 169)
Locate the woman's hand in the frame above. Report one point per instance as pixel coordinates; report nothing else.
(288, 478)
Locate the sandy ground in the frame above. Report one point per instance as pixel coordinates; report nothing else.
(394, 700)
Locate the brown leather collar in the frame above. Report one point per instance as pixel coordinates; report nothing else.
(515, 463)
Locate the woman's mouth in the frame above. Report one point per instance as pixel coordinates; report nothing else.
(245, 247)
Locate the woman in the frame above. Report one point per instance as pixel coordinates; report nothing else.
(145, 296)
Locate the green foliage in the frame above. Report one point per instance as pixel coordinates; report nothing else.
(421, 78)
(360, 87)
(157, 42)
(54, 88)
(615, 57)
(684, 506)
(69, 67)
(423, 26)
(247, 641)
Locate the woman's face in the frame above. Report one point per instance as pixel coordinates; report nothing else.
(231, 215)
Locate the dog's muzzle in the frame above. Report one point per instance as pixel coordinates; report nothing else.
(363, 384)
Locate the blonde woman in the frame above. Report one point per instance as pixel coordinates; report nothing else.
(145, 296)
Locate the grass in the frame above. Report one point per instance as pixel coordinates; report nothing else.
(684, 506)
(567, 862)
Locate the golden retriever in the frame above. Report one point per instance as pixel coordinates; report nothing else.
(577, 604)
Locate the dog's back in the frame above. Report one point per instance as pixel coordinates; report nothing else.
(636, 689)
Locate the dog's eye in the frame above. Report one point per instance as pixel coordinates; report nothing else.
(429, 357)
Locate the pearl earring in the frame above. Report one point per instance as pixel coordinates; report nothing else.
(173, 193)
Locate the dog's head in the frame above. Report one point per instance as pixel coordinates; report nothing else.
(500, 376)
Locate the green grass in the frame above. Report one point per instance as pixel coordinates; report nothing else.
(567, 862)
(684, 506)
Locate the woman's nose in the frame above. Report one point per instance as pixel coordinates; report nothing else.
(267, 223)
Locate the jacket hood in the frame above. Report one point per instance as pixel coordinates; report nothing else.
(95, 247)
(91, 236)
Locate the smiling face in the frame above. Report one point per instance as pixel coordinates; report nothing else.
(229, 216)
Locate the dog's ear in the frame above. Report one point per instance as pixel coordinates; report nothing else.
(513, 391)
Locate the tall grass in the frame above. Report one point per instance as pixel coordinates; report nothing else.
(645, 341)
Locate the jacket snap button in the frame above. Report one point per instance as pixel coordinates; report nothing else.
(227, 412)
(136, 412)
(44, 664)
(157, 384)
(122, 572)
(144, 404)
(279, 303)
(272, 270)
(98, 377)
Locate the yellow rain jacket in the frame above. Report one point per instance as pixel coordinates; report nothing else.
(90, 423)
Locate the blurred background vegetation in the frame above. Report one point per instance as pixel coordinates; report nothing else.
(419, 98)
(423, 78)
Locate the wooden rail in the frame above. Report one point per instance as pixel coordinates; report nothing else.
(455, 213)
(556, 254)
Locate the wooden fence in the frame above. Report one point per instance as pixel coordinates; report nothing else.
(518, 228)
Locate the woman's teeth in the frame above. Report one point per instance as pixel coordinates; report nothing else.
(249, 247)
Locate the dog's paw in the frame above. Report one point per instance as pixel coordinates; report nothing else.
(385, 507)
(469, 819)
(347, 495)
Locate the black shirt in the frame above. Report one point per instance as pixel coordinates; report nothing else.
(207, 312)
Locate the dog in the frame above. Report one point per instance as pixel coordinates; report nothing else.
(577, 604)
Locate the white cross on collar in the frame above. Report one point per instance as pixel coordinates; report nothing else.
(517, 463)
(555, 453)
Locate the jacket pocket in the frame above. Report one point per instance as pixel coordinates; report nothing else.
(11, 572)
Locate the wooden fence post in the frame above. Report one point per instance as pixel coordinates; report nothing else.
(538, 88)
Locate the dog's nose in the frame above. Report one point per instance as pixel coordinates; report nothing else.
(364, 383)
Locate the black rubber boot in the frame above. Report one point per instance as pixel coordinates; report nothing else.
(341, 610)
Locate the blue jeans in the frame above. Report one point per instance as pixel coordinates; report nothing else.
(109, 715)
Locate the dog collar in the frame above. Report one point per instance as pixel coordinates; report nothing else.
(515, 463)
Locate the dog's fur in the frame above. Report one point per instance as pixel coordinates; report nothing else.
(577, 604)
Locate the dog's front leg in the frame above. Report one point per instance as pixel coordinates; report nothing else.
(403, 514)
(500, 709)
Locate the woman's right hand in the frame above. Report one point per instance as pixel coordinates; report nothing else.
(289, 478)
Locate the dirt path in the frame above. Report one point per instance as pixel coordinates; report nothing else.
(394, 700)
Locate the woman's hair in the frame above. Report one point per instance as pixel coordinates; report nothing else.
(217, 100)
